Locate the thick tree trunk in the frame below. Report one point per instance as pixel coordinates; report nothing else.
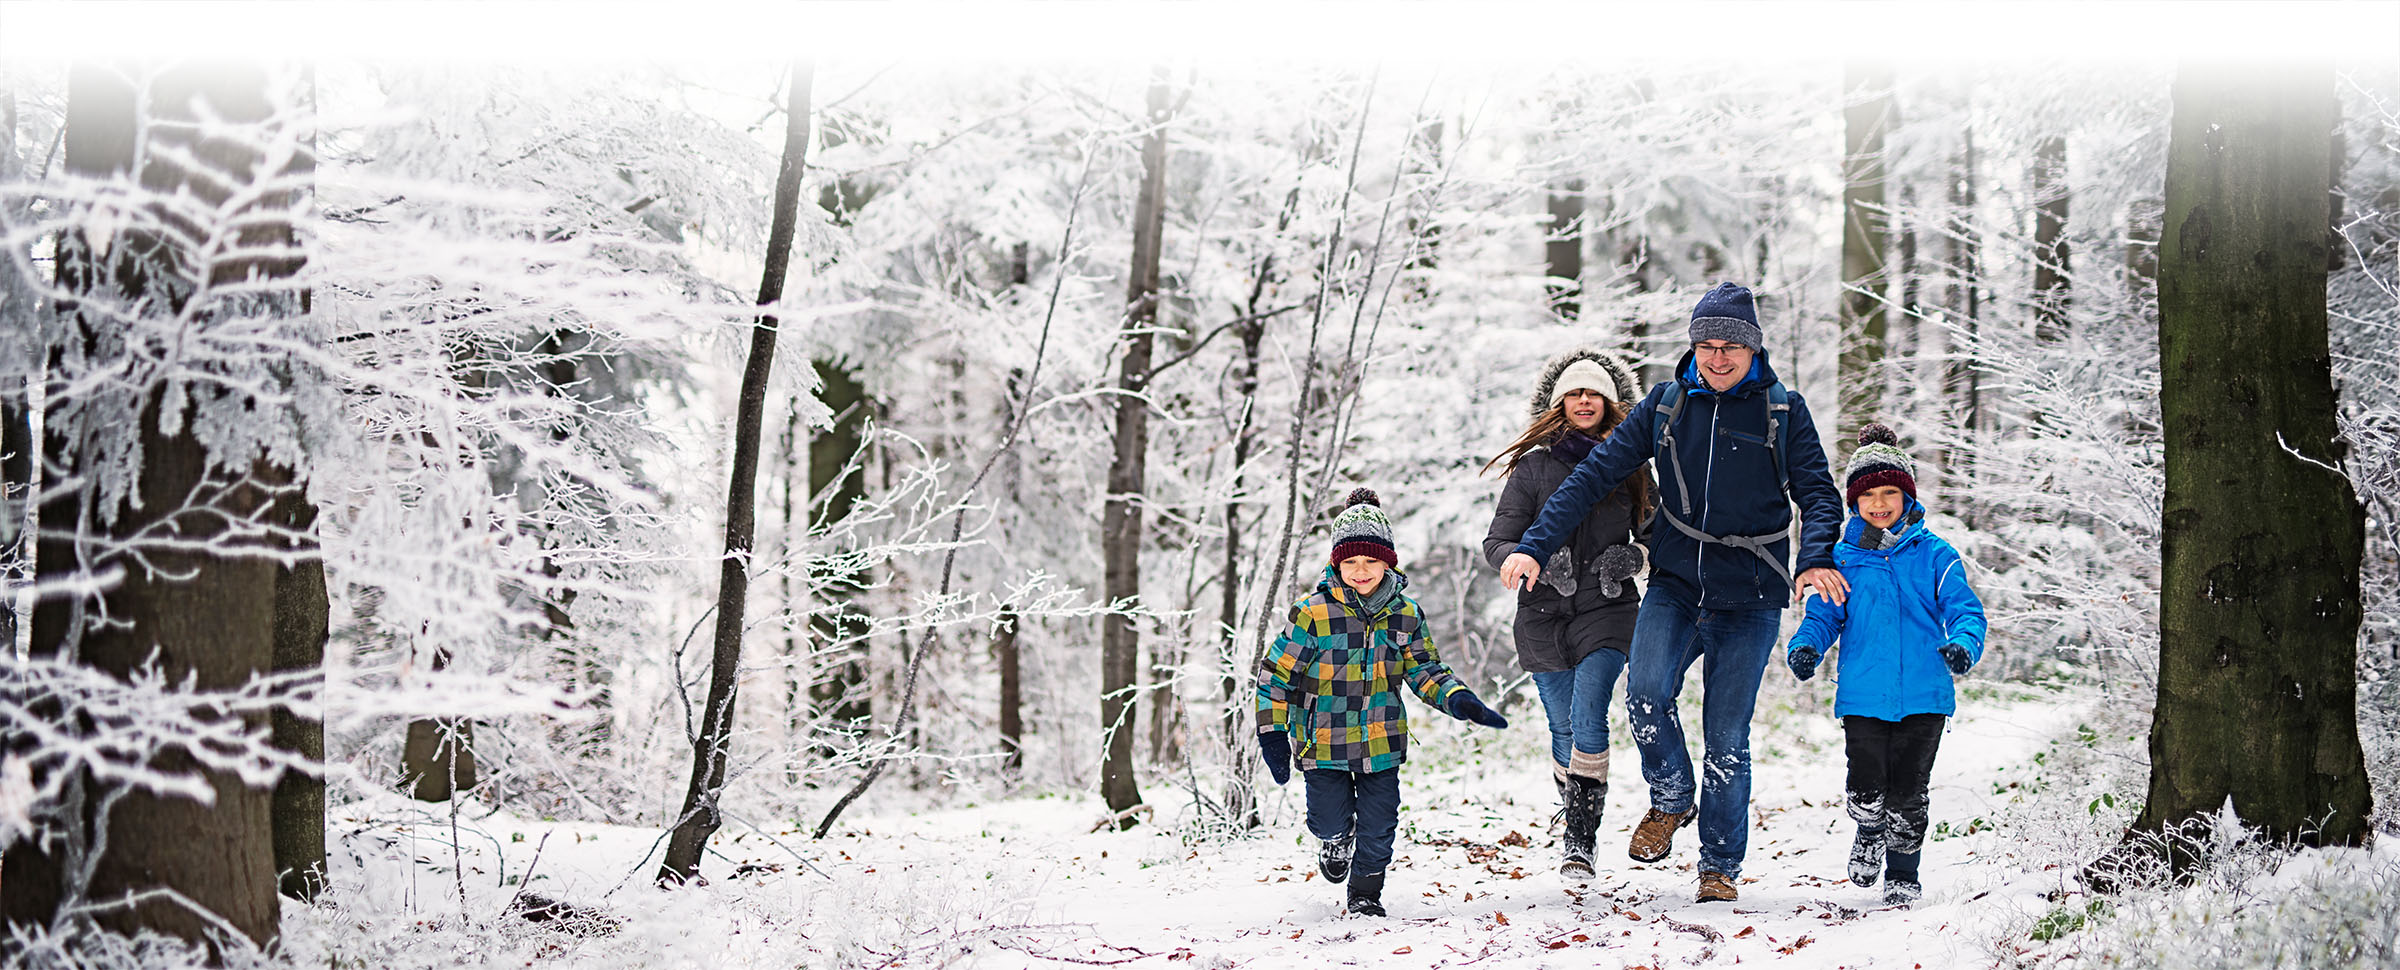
(837, 690)
(302, 623)
(2051, 265)
(1121, 515)
(205, 607)
(2257, 684)
(701, 814)
(1867, 115)
(1562, 248)
(437, 760)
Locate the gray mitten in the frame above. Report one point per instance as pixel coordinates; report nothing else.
(1617, 564)
(1559, 572)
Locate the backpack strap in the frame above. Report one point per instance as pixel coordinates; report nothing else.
(1662, 441)
(1779, 434)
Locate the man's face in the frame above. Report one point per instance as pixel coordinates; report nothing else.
(1722, 363)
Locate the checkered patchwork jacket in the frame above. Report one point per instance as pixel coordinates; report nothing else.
(1334, 679)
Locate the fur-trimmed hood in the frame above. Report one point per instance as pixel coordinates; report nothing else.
(1627, 391)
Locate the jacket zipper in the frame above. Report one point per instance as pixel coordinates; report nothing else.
(1707, 476)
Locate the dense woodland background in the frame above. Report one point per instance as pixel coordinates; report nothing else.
(1068, 368)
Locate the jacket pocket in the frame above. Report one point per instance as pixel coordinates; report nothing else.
(1743, 436)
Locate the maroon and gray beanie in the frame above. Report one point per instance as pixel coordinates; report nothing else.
(1362, 530)
(1877, 462)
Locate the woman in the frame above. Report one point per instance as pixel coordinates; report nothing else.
(1574, 625)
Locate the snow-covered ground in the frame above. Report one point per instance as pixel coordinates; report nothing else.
(1025, 881)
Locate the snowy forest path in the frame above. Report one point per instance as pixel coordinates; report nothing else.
(1473, 880)
(992, 880)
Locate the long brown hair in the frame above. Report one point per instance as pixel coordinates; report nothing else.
(1551, 426)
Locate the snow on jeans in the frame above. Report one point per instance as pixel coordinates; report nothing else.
(1340, 800)
(1671, 632)
(1576, 702)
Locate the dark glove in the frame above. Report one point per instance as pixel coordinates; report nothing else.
(1617, 564)
(1465, 707)
(1803, 660)
(1276, 747)
(1956, 656)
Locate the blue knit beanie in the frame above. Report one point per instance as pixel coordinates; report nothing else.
(1727, 313)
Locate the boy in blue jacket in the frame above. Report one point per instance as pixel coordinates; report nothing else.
(1911, 624)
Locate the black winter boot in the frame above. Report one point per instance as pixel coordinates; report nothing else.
(1366, 894)
(1585, 796)
(1333, 857)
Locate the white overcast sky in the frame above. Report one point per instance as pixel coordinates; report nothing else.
(1453, 34)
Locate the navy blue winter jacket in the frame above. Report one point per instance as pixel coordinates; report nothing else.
(1905, 603)
(1721, 439)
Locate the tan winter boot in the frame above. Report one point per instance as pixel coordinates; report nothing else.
(1717, 887)
(1656, 834)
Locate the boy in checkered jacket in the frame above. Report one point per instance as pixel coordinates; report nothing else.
(1335, 678)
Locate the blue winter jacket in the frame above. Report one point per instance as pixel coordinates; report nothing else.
(1905, 603)
(1721, 439)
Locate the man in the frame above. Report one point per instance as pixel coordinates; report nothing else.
(1735, 452)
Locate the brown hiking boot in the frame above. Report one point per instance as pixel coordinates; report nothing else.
(1656, 834)
(1717, 887)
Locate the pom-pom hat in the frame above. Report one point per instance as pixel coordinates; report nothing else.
(1362, 530)
(1878, 462)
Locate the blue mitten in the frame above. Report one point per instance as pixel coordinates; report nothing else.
(1276, 747)
(1955, 655)
(1803, 660)
(1465, 707)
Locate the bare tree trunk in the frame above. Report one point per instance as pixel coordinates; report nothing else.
(302, 622)
(701, 814)
(838, 690)
(16, 404)
(1012, 695)
(1121, 515)
(2258, 627)
(437, 761)
(1964, 379)
(1563, 248)
(2051, 265)
(204, 608)
(1867, 115)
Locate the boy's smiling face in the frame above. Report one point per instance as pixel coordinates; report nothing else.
(1363, 573)
(1881, 505)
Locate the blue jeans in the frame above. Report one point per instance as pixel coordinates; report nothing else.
(1576, 702)
(1340, 802)
(1671, 632)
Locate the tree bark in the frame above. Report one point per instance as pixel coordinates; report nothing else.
(2257, 684)
(838, 691)
(203, 608)
(1121, 515)
(1962, 301)
(701, 815)
(1562, 247)
(1012, 696)
(16, 404)
(303, 615)
(1867, 115)
(2052, 264)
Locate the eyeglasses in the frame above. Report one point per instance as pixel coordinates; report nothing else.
(1704, 350)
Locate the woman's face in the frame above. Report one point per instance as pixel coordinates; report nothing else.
(1585, 407)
